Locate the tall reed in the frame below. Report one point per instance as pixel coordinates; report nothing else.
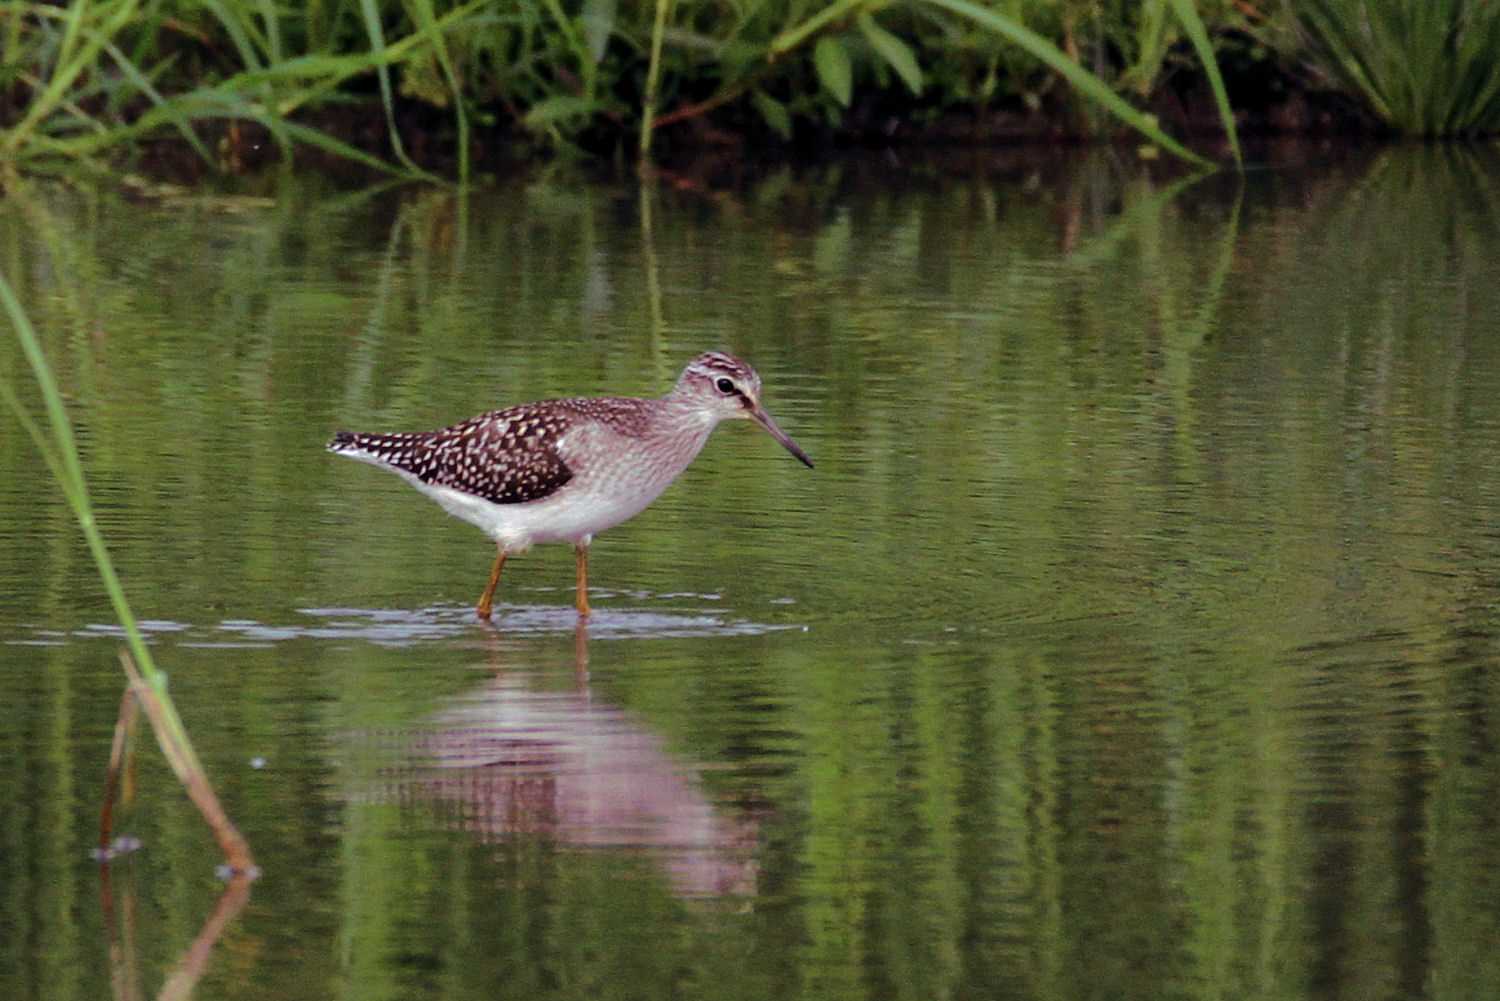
(59, 450)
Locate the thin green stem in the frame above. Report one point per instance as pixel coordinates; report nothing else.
(75, 487)
(61, 456)
(653, 76)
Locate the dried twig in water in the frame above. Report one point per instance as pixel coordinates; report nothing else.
(119, 768)
(185, 766)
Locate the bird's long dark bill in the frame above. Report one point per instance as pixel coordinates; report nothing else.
(764, 420)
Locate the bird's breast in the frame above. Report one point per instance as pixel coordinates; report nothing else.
(616, 477)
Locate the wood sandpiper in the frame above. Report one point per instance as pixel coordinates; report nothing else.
(565, 470)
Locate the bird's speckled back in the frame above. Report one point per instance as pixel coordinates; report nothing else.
(508, 456)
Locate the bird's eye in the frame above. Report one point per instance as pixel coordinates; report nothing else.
(724, 386)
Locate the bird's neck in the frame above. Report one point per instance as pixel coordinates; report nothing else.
(682, 426)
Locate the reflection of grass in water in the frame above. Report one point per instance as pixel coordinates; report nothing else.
(149, 684)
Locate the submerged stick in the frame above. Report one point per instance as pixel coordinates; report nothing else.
(124, 734)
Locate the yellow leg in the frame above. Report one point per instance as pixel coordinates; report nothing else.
(582, 550)
(483, 611)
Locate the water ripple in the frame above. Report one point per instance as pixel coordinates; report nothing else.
(400, 627)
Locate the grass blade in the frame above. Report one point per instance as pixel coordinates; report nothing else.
(328, 144)
(831, 60)
(894, 51)
(793, 37)
(774, 113)
(150, 685)
(653, 78)
(1192, 24)
(144, 85)
(273, 30)
(376, 33)
(1085, 82)
(598, 24)
(249, 54)
(427, 22)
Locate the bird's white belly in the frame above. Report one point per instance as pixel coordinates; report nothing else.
(573, 514)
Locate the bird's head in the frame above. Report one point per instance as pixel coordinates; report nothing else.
(729, 389)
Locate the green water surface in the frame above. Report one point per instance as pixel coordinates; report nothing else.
(1135, 636)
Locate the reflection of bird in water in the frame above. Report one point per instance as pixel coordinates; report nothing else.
(565, 470)
(519, 761)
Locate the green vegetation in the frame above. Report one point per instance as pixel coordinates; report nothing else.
(442, 83)
(1423, 67)
(89, 80)
(59, 451)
